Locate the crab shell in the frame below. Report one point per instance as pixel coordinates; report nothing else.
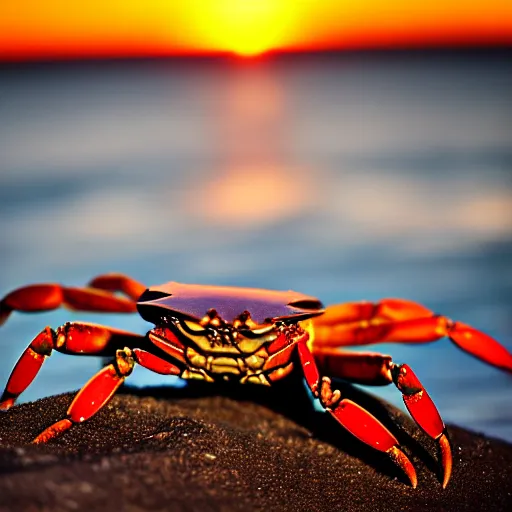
(229, 303)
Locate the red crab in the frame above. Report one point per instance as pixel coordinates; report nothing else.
(246, 335)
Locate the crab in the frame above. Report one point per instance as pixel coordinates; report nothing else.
(245, 335)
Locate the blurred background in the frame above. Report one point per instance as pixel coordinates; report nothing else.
(343, 149)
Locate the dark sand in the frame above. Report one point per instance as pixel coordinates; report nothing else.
(245, 448)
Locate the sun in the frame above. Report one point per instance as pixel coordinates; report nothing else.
(245, 27)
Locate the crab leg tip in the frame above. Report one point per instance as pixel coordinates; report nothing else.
(6, 404)
(405, 464)
(446, 458)
(53, 431)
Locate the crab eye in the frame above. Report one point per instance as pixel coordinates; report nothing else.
(311, 304)
(244, 316)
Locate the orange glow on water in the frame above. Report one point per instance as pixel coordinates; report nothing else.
(248, 197)
(31, 29)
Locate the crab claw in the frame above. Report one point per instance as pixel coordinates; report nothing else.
(371, 431)
(480, 345)
(422, 409)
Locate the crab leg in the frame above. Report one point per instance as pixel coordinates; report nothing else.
(45, 297)
(93, 396)
(70, 338)
(353, 417)
(379, 369)
(368, 368)
(422, 409)
(101, 388)
(119, 283)
(397, 320)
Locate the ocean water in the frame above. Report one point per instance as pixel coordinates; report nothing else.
(347, 177)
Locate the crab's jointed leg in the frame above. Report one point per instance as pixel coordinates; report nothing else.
(70, 338)
(118, 283)
(101, 388)
(353, 417)
(98, 297)
(379, 369)
(85, 339)
(398, 320)
(93, 396)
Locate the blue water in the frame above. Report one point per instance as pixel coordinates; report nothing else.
(345, 177)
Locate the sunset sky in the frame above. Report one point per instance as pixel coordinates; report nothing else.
(35, 29)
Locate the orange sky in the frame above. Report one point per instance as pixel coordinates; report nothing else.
(42, 29)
